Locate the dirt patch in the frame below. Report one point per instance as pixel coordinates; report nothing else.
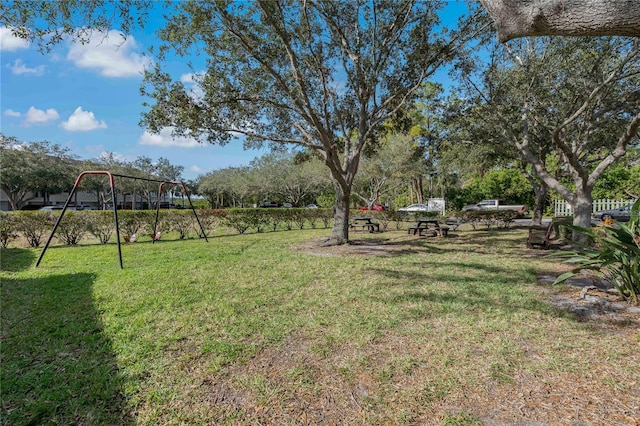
(592, 300)
(395, 245)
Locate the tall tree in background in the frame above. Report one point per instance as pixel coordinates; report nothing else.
(287, 177)
(422, 121)
(397, 160)
(237, 184)
(323, 75)
(575, 98)
(34, 167)
(474, 147)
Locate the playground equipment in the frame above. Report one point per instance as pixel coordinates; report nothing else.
(111, 176)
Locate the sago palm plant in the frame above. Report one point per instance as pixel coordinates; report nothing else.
(614, 257)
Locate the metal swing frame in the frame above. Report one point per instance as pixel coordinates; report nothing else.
(112, 185)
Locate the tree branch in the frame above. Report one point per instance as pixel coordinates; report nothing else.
(517, 18)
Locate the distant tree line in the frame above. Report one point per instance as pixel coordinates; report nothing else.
(45, 168)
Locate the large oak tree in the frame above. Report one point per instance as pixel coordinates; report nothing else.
(320, 75)
(48, 23)
(577, 99)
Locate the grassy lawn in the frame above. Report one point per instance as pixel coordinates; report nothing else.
(268, 329)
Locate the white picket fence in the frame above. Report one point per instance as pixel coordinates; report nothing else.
(562, 208)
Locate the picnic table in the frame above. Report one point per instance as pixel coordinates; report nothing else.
(426, 225)
(364, 222)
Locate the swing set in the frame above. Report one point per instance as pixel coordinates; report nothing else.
(111, 176)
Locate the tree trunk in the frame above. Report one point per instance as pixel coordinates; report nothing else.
(582, 206)
(419, 190)
(542, 192)
(15, 198)
(13, 204)
(516, 18)
(340, 231)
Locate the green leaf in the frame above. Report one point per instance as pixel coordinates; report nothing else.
(563, 277)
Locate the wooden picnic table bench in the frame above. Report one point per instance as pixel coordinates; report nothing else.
(442, 230)
(454, 222)
(364, 223)
(424, 225)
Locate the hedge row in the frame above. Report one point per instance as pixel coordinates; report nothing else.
(35, 226)
(489, 218)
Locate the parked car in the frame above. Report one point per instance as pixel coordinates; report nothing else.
(496, 205)
(287, 205)
(269, 204)
(414, 208)
(312, 206)
(167, 205)
(623, 214)
(54, 208)
(377, 207)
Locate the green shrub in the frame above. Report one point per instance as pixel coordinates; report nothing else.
(398, 218)
(100, 224)
(286, 218)
(8, 231)
(268, 218)
(131, 221)
(614, 257)
(312, 216)
(325, 215)
(209, 219)
(242, 219)
(298, 216)
(163, 225)
(489, 218)
(34, 225)
(72, 228)
(180, 221)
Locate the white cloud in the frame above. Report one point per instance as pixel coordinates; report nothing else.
(188, 78)
(193, 80)
(12, 113)
(108, 156)
(39, 116)
(195, 169)
(9, 42)
(165, 139)
(110, 54)
(83, 121)
(19, 67)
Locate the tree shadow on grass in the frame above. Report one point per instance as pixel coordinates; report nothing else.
(57, 366)
(16, 259)
(487, 287)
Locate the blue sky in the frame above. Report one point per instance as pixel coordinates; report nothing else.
(86, 98)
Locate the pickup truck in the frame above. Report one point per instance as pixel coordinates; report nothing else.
(496, 205)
